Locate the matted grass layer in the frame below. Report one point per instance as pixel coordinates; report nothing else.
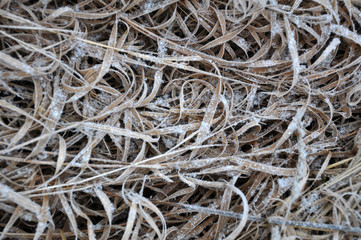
(180, 119)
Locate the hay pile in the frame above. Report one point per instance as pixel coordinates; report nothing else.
(180, 119)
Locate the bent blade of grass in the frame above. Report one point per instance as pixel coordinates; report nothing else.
(151, 222)
(109, 209)
(77, 210)
(130, 221)
(61, 155)
(69, 212)
(118, 131)
(43, 218)
(55, 111)
(14, 217)
(148, 204)
(292, 46)
(208, 117)
(104, 69)
(21, 132)
(225, 204)
(236, 232)
(10, 194)
(15, 64)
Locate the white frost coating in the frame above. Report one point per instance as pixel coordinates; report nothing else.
(45, 2)
(275, 233)
(292, 45)
(325, 58)
(224, 100)
(292, 127)
(307, 202)
(55, 112)
(80, 49)
(176, 129)
(284, 182)
(161, 101)
(158, 76)
(40, 62)
(42, 225)
(148, 4)
(169, 143)
(296, 121)
(263, 63)
(42, 156)
(344, 32)
(27, 216)
(302, 149)
(4, 191)
(243, 44)
(205, 127)
(315, 134)
(27, 69)
(302, 168)
(117, 64)
(19, 199)
(56, 107)
(89, 132)
(275, 29)
(98, 226)
(162, 48)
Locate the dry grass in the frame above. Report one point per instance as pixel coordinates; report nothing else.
(180, 119)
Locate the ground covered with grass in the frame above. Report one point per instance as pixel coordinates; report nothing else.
(180, 119)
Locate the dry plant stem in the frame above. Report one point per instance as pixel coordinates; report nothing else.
(271, 220)
(180, 119)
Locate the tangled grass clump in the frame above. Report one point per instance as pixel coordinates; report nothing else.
(180, 119)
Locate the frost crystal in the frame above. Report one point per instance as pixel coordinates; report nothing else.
(162, 48)
(284, 182)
